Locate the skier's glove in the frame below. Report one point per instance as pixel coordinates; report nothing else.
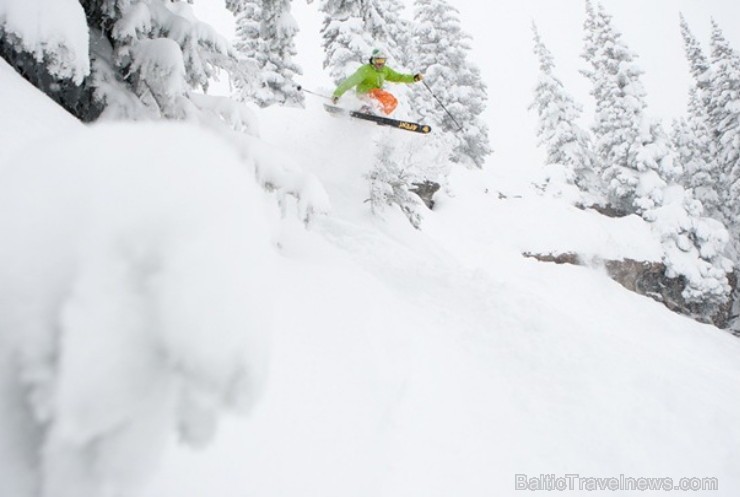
(334, 99)
(418, 76)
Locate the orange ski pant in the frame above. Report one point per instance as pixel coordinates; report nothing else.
(387, 101)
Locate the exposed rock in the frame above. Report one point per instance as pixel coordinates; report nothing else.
(77, 100)
(605, 210)
(426, 191)
(566, 258)
(734, 312)
(649, 279)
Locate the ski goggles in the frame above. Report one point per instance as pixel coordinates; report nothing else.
(379, 60)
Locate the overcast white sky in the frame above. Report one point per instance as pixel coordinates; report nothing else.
(650, 27)
(503, 50)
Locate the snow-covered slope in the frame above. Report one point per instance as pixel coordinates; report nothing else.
(403, 362)
(441, 362)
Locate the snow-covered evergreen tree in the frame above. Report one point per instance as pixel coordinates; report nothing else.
(236, 6)
(723, 104)
(162, 50)
(724, 119)
(640, 168)
(694, 248)
(592, 42)
(384, 22)
(249, 43)
(442, 50)
(698, 62)
(655, 168)
(634, 155)
(695, 152)
(693, 138)
(148, 59)
(619, 126)
(351, 30)
(564, 141)
(144, 57)
(346, 42)
(266, 35)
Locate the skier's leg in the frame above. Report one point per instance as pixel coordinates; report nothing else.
(388, 102)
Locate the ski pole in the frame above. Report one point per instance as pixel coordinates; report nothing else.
(442, 105)
(300, 88)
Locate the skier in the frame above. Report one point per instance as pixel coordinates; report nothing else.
(369, 80)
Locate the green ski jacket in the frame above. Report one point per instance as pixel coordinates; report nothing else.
(368, 78)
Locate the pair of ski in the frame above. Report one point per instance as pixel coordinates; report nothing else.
(380, 120)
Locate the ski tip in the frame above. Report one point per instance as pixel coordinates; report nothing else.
(424, 129)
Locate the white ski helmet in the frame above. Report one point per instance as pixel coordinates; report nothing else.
(378, 54)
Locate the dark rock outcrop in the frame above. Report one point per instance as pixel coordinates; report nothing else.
(426, 190)
(649, 279)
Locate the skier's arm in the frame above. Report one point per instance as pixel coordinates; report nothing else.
(396, 77)
(350, 82)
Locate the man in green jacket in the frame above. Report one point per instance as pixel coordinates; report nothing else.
(369, 80)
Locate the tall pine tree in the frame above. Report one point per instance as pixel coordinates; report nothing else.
(724, 118)
(692, 141)
(620, 128)
(699, 65)
(564, 141)
(442, 49)
(266, 35)
(640, 170)
(352, 29)
(693, 138)
(346, 42)
(384, 22)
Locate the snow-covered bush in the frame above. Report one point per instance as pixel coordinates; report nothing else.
(391, 181)
(694, 247)
(278, 173)
(408, 169)
(134, 304)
